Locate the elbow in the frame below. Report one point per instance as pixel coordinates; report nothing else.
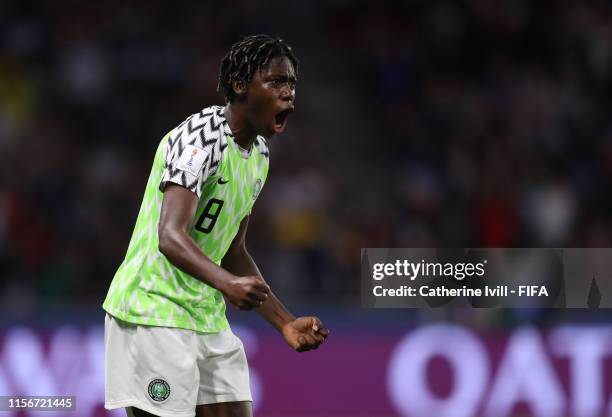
(166, 242)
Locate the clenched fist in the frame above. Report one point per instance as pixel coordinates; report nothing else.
(304, 333)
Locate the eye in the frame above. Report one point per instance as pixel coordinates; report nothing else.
(279, 82)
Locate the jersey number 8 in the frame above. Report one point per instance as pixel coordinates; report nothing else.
(210, 212)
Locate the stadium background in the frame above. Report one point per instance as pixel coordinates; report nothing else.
(467, 124)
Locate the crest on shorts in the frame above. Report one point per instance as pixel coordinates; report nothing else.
(257, 189)
(159, 390)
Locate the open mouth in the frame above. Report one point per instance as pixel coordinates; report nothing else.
(280, 120)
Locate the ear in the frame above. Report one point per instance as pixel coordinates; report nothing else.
(240, 87)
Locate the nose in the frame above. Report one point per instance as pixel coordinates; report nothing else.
(287, 93)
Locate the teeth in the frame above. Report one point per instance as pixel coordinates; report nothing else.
(281, 118)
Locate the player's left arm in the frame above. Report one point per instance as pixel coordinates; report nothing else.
(302, 333)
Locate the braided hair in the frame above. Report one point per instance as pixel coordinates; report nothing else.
(248, 55)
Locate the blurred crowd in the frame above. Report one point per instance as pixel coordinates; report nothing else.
(442, 123)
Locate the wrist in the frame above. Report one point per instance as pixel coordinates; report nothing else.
(284, 323)
(223, 283)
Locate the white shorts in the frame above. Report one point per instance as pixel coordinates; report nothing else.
(168, 371)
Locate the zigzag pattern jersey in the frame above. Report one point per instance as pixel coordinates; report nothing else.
(200, 154)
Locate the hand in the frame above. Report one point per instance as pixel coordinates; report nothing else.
(246, 292)
(304, 333)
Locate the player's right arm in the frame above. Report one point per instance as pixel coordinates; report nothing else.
(176, 219)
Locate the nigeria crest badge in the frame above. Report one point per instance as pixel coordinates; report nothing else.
(159, 390)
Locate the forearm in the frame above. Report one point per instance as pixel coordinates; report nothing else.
(272, 310)
(240, 263)
(182, 252)
(275, 313)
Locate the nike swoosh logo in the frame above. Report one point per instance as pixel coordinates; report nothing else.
(221, 182)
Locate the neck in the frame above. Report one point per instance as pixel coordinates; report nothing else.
(244, 134)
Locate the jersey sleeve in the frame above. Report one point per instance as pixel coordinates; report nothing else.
(192, 153)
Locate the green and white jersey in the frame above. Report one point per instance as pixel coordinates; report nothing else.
(200, 155)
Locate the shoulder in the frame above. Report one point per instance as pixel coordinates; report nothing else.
(202, 129)
(205, 130)
(262, 146)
